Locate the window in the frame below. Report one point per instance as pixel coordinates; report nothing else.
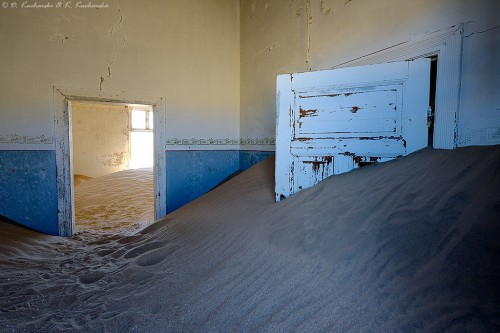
(141, 139)
(141, 120)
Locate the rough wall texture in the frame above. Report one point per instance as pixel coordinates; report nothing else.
(184, 51)
(287, 36)
(101, 138)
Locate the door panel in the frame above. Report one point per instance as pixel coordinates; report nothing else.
(332, 121)
(311, 170)
(334, 115)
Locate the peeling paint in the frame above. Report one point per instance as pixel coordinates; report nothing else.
(115, 159)
(362, 161)
(315, 165)
(370, 136)
(380, 138)
(321, 168)
(308, 113)
(335, 95)
(325, 11)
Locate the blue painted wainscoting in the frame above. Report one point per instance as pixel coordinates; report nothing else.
(249, 158)
(192, 173)
(28, 188)
(28, 191)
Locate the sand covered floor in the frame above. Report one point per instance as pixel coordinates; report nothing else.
(120, 202)
(404, 246)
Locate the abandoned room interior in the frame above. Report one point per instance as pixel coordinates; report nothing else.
(249, 165)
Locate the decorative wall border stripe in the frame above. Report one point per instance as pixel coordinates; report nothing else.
(43, 139)
(26, 139)
(220, 141)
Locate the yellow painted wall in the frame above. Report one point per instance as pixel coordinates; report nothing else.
(101, 138)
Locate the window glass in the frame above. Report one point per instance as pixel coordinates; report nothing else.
(150, 119)
(142, 149)
(138, 119)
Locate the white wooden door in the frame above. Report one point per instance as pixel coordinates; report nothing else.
(329, 122)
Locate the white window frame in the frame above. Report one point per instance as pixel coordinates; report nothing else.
(148, 114)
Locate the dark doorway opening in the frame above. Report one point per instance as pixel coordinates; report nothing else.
(432, 101)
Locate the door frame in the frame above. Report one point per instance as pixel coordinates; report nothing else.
(63, 97)
(446, 44)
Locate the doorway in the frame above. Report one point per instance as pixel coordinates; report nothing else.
(113, 158)
(432, 101)
(64, 99)
(447, 46)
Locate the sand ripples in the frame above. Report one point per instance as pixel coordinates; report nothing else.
(410, 245)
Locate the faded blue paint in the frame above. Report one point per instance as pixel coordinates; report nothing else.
(190, 174)
(28, 189)
(248, 158)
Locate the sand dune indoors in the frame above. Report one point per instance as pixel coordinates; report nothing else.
(408, 245)
(118, 202)
(78, 179)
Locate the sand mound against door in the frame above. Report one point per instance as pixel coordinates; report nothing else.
(403, 246)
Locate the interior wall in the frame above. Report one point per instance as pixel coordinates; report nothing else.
(28, 189)
(287, 36)
(186, 52)
(215, 63)
(101, 138)
(192, 173)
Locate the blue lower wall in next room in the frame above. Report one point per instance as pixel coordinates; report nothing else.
(192, 173)
(28, 189)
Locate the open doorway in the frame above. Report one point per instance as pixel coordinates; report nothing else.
(64, 98)
(113, 158)
(432, 101)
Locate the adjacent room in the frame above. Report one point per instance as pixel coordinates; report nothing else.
(250, 166)
(113, 150)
